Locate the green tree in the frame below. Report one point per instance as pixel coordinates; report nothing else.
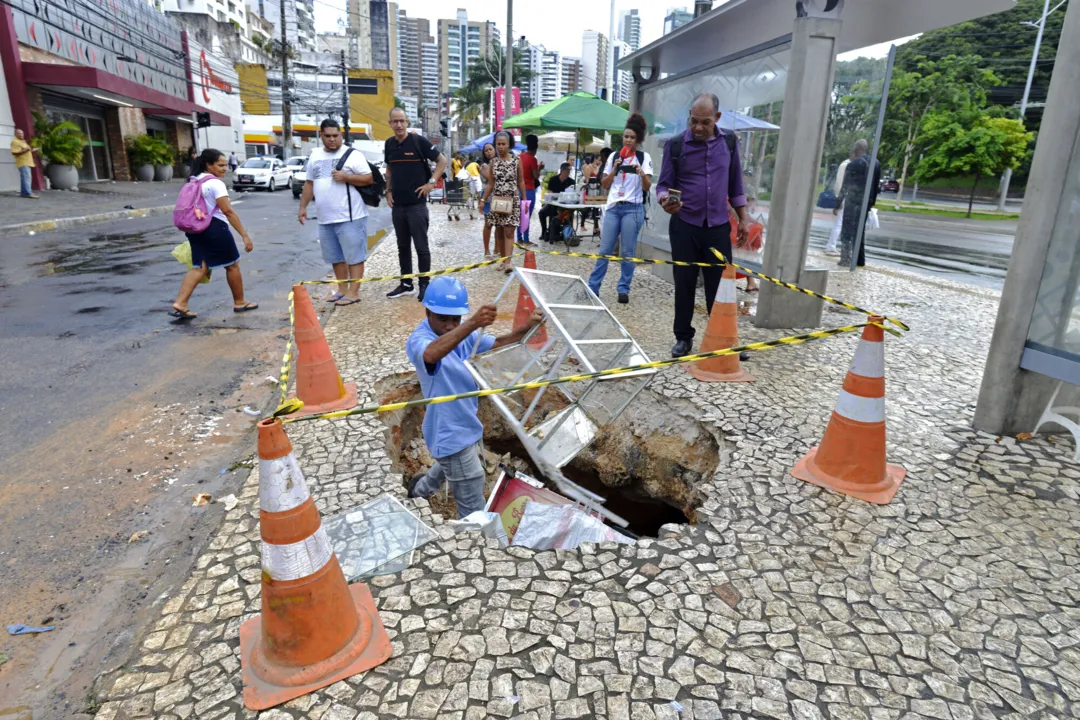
(486, 73)
(968, 142)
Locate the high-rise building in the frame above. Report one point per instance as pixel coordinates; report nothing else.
(532, 58)
(383, 18)
(299, 20)
(630, 29)
(359, 27)
(429, 77)
(571, 75)
(623, 79)
(595, 52)
(461, 43)
(551, 76)
(676, 18)
(412, 34)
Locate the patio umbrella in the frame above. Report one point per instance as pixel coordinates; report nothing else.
(478, 144)
(576, 111)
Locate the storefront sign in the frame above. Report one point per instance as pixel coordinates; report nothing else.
(211, 79)
(500, 105)
(509, 497)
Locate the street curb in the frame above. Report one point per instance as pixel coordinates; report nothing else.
(65, 223)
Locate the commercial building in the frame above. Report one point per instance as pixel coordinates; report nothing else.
(571, 75)
(462, 42)
(299, 20)
(630, 29)
(676, 18)
(595, 52)
(624, 81)
(412, 35)
(132, 75)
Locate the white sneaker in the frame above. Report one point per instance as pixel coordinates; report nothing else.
(834, 253)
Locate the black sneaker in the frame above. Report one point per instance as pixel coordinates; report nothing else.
(412, 484)
(420, 294)
(624, 298)
(681, 348)
(401, 291)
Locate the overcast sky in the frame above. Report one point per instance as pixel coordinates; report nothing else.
(555, 24)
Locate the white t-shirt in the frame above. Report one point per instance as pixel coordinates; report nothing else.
(332, 198)
(211, 191)
(626, 187)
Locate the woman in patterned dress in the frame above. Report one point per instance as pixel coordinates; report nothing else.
(508, 180)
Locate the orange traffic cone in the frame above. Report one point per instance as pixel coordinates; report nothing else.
(314, 629)
(851, 456)
(722, 332)
(526, 307)
(318, 383)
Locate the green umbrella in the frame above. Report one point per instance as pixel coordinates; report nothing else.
(573, 112)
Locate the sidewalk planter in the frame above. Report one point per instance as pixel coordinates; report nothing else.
(62, 177)
(144, 173)
(163, 173)
(61, 146)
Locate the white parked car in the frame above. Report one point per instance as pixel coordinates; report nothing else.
(297, 183)
(296, 164)
(262, 172)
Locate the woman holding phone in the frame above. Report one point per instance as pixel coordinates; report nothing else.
(627, 177)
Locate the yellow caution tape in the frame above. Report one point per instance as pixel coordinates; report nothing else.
(286, 360)
(431, 273)
(811, 293)
(619, 258)
(752, 347)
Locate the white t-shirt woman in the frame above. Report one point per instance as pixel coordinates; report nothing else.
(212, 190)
(626, 186)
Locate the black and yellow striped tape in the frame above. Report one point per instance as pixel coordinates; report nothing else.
(430, 273)
(752, 347)
(811, 293)
(619, 258)
(286, 360)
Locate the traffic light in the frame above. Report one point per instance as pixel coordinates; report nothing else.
(444, 127)
(202, 119)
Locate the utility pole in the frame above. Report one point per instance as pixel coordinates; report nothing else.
(1007, 177)
(508, 98)
(610, 57)
(344, 99)
(286, 102)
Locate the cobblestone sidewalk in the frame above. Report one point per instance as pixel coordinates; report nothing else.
(957, 601)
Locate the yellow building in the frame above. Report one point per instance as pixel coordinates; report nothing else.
(371, 97)
(254, 93)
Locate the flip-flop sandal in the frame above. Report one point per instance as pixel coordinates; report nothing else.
(334, 298)
(245, 308)
(183, 314)
(344, 302)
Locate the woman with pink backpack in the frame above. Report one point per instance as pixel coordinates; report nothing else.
(204, 213)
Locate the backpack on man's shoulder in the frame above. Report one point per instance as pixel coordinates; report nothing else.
(190, 200)
(371, 194)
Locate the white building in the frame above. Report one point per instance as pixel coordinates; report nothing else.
(461, 43)
(217, 87)
(429, 75)
(570, 79)
(411, 108)
(299, 20)
(630, 29)
(220, 10)
(595, 53)
(623, 79)
(551, 77)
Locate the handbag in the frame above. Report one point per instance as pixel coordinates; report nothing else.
(502, 205)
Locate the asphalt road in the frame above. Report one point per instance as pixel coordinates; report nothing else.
(114, 416)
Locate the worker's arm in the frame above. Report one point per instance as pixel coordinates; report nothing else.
(518, 333)
(442, 346)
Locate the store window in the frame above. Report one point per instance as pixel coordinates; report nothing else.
(96, 163)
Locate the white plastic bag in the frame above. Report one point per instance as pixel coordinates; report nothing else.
(546, 527)
(463, 175)
(872, 221)
(488, 523)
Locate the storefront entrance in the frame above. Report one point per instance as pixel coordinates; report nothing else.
(91, 120)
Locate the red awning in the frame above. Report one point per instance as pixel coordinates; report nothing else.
(100, 86)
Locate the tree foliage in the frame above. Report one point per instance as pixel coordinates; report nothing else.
(486, 73)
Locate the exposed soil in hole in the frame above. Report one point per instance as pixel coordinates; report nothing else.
(651, 463)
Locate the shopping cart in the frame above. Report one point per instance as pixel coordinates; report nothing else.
(458, 199)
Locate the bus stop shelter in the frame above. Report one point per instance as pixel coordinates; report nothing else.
(753, 53)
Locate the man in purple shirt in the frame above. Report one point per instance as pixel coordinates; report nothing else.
(708, 173)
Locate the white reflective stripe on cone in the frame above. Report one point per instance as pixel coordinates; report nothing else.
(861, 409)
(297, 560)
(281, 484)
(726, 293)
(869, 359)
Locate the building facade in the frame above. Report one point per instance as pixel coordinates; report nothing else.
(384, 32)
(412, 35)
(462, 42)
(595, 52)
(358, 25)
(630, 29)
(676, 18)
(429, 76)
(570, 81)
(299, 20)
(551, 76)
(623, 80)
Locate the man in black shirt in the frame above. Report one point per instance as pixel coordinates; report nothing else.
(408, 181)
(555, 185)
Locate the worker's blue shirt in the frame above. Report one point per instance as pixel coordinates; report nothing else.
(448, 427)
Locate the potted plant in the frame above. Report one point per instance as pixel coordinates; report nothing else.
(163, 164)
(143, 153)
(61, 144)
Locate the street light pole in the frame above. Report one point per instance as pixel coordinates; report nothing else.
(1007, 177)
(286, 102)
(508, 100)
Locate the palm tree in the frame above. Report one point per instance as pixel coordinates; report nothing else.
(484, 74)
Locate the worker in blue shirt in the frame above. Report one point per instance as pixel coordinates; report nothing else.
(438, 349)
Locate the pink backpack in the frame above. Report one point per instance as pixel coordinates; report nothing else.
(190, 200)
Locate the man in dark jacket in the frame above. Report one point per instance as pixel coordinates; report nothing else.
(851, 199)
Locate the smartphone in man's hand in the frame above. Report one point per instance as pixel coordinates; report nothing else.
(674, 196)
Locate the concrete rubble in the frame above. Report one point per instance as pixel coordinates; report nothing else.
(957, 601)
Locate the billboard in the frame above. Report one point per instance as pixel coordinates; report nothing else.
(215, 86)
(515, 106)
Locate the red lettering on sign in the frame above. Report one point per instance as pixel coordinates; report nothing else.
(210, 78)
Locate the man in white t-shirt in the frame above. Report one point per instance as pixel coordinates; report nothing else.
(334, 176)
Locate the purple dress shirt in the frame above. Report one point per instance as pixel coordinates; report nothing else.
(709, 176)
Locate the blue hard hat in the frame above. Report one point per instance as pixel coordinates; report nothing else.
(447, 296)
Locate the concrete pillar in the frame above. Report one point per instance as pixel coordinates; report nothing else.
(807, 97)
(1011, 399)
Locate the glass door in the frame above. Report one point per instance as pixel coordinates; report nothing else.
(98, 149)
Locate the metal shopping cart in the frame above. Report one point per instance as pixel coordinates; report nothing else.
(458, 199)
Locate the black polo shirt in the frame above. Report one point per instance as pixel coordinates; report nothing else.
(408, 165)
(556, 185)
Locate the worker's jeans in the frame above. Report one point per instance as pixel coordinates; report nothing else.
(26, 174)
(465, 473)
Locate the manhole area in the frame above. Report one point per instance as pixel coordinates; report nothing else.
(652, 464)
